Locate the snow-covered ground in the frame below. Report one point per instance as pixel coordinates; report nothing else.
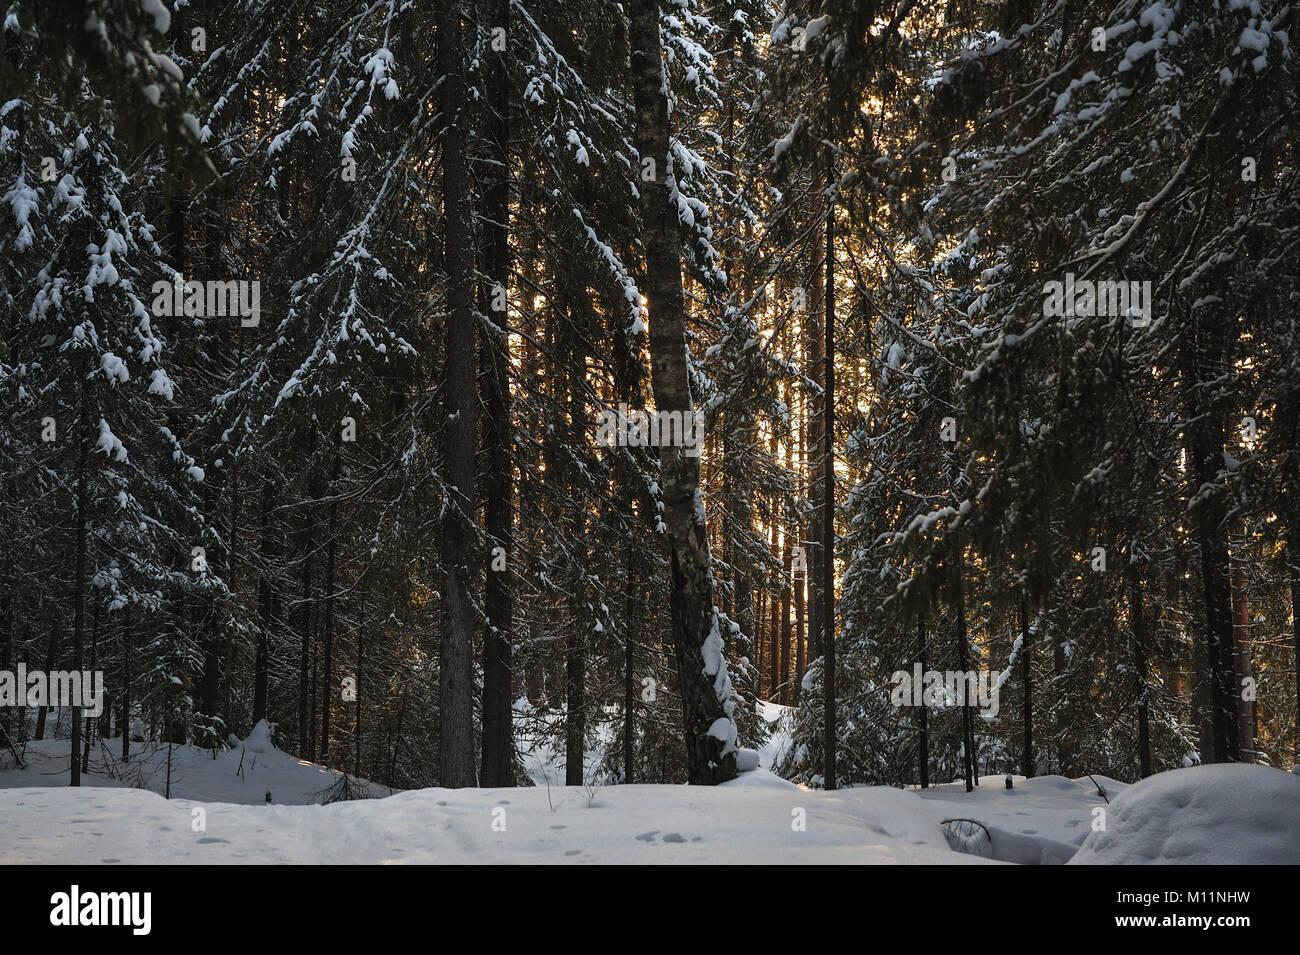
(244, 774)
(754, 820)
(1225, 814)
(1039, 821)
(219, 815)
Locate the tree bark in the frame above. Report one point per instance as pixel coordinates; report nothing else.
(1242, 660)
(710, 732)
(78, 609)
(1140, 669)
(51, 660)
(783, 622)
(1293, 567)
(922, 712)
(629, 661)
(498, 483)
(456, 664)
(261, 661)
(305, 664)
(963, 664)
(1027, 684)
(327, 687)
(828, 495)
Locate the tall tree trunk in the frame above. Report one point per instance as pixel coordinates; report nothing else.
(1140, 669)
(768, 622)
(356, 726)
(94, 663)
(261, 661)
(78, 608)
(305, 664)
(1208, 353)
(8, 634)
(1243, 659)
(814, 440)
(828, 494)
(1065, 742)
(710, 732)
(498, 479)
(327, 687)
(783, 622)
(1027, 684)
(51, 660)
(629, 659)
(922, 712)
(125, 719)
(963, 664)
(1293, 568)
(456, 663)
(1212, 545)
(575, 637)
(800, 632)
(212, 640)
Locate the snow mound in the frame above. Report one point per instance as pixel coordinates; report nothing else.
(259, 740)
(1222, 814)
(746, 760)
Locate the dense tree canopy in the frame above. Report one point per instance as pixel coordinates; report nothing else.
(311, 315)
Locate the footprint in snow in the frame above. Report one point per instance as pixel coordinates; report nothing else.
(674, 837)
(648, 836)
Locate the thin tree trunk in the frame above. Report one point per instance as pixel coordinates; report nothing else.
(814, 439)
(1293, 567)
(51, 660)
(356, 727)
(1140, 667)
(828, 498)
(1242, 659)
(305, 748)
(800, 632)
(327, 688)
(629, 663)
(575, 640)
(1027, 685)
(963, 664)
(125, 720)
(94, 662)
(261, 662)
(783, 623)
(79, 609)
(922, 711)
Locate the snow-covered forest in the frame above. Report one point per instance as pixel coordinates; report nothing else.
(893, 397)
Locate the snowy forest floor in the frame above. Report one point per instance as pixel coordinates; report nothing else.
(1227, 813)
